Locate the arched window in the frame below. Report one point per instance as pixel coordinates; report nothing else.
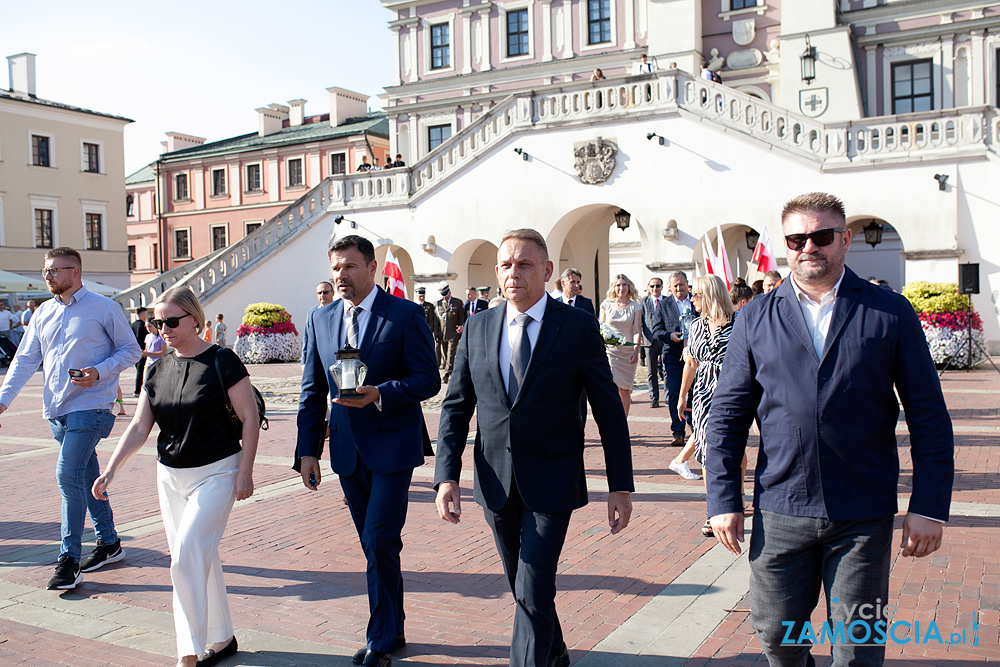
(129, 206)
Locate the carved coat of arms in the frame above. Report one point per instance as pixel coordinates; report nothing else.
(744, 31)
(594, 160)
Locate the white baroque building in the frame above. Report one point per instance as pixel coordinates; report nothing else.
(889, 104)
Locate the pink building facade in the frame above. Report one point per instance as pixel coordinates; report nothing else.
(198, 197)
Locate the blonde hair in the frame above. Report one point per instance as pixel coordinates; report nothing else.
(186, 300)
(633, 293)
(716, 305)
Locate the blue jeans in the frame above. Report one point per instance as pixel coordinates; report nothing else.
(78, 434)
(791, 557)
(673, 371)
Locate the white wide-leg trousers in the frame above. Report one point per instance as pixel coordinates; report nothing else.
(195, 504)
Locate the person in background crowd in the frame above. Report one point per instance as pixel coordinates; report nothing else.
(9, 323)
(655, 353)
(740, 294)
(202, 468)
(670, 328)
(399, 161)
(206, 333)
(155, 348)
(771, 280)
(757, 287)
(703, 359)
(645, 67)
(452, 316)
(622, 312)
(365, 165)
(29, 310)
(598, 75)
(139, 329)
(85, 343)
(220, 331)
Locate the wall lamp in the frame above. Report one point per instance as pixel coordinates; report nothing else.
(339, 219)
(622, 218)
(649, 137)
(522, 153)
(670, 232)
(752, 237)
(873, 233)
(808, 63)
(941, 179)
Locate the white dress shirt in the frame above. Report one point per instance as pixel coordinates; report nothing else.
(818, 314)
(363, 317)
(536, 312)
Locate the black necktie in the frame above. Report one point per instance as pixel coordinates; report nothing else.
(520, 353)
(353, 333)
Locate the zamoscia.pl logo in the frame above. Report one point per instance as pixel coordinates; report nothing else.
(875, 625)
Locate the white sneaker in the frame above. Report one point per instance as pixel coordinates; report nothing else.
(683, 470)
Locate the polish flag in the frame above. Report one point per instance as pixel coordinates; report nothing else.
(724, 272)
(710, 260)
(395, 285)
(763, 254)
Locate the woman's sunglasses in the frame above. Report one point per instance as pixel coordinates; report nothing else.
(820, 237)
(171, 322)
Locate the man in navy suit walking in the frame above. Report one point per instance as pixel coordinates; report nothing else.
(523, 368)
(572, 290)
(376, 440)
(819, 362)
(668, 329)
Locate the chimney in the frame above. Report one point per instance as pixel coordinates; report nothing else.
(297, 115)
(22, 74)
(177, 141)
(271, 118)
(346, 104)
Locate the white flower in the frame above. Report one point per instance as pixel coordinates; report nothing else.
(260, 348)
(609, 336)
(952, 346)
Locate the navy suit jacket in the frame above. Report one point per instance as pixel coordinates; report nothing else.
(481, 305)
(398, 350)
(537, 439)
(649, 309)
(667, 320)
(584, 304)
(827, 423)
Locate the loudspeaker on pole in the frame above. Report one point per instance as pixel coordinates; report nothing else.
(968, 279)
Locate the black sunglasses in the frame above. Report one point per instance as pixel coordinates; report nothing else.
(171, 322)
(820, 237)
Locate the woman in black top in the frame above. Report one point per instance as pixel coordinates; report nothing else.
(202, 468)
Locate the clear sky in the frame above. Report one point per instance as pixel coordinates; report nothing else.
(200, 67)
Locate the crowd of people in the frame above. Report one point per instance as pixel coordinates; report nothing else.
(816, 360)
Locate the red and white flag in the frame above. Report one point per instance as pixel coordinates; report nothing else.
(763, 255)
(710, 261)
(724, 271)
(395, 285)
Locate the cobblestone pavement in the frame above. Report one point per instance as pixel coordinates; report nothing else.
(658, 594)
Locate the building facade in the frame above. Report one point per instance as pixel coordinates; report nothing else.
(62, 171)
(891, 105)
(199, 198)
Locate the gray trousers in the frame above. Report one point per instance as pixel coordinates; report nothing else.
(791, 557)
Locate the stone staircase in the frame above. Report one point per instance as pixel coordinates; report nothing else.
(951, 134)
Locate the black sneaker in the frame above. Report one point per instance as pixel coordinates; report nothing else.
(102, 555)
(67, 575)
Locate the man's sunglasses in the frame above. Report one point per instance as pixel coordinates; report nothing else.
(820, 237)
(171, 322)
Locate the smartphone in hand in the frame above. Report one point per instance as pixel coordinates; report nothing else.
(75, 373)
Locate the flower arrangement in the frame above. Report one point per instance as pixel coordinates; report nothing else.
(610, 337)
(266, 334)
(945, 316)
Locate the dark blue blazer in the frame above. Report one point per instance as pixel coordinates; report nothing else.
(398, 350)
(537, 439)
(585, 304)
(481, 305)
(827, 423)
(667, 320)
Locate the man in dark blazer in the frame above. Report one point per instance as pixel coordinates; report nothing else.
(375, 440)
(650, 303)
(819, 362)
(571, 283)
(473, 304)
(524, 367)
(669, 328)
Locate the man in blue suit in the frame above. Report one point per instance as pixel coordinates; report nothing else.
(818, 362)
(572, 291)
(375, 440)
(668, 328)
(524, 367)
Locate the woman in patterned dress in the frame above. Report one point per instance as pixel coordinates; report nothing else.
(622, 312)
(703, 356)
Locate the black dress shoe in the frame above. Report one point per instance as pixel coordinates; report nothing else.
(359, 657)
(561, 660)
(655, 403)
(211, 657)
(377, 659)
